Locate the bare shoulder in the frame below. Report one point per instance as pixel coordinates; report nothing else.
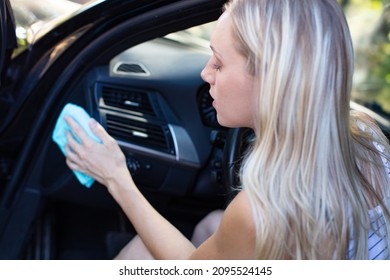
(236, 235)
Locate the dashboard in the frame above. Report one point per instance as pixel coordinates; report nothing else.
(152, 100)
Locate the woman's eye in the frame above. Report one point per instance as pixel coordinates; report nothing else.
(215, 63)
(216, 66)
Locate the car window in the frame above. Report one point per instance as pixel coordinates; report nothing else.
(197, 36)
(369, 22)
(30, 16)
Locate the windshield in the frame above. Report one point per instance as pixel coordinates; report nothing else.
(32, 15)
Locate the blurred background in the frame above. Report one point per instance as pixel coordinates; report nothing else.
(369, 22)
(80, 1)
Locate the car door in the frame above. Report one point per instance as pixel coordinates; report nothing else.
(50, 69)
(7, 43)
(7, 33)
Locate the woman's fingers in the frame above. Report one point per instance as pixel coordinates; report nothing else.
(98, 160)
(99, 131)
(74, 147)
(72, 159)
(78, 131)
(72, 165)
(96, 128)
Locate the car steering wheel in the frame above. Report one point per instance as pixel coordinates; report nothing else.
(236, 144)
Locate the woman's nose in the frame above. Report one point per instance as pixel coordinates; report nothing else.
(207, 74)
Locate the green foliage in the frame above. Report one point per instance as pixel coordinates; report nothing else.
(373, 55)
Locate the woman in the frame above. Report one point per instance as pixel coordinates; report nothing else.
(315, 182)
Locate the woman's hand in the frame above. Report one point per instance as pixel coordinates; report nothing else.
(104, 161)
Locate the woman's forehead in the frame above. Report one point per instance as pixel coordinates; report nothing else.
(222, 34)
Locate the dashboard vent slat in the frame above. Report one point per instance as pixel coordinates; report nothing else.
(127, 99)
(142, 133)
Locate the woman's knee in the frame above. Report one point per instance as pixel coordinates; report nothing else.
(135, 250)
(206, 227)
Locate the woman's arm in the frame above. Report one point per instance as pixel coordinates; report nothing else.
(106, 163)
(235, 237)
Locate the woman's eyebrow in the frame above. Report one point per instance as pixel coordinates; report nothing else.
(216, 52)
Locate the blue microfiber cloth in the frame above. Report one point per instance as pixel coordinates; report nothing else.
(59, 134)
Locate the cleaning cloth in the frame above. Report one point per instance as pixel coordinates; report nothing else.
(59, 134)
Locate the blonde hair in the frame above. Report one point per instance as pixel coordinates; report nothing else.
(312, 174)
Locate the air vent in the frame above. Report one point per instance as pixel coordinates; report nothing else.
(130, 69)
(140, 133)
(127, 99)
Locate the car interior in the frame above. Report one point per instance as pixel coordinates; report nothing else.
(142, 83)
(152, 100)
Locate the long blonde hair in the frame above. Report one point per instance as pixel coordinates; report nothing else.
(312, 174)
